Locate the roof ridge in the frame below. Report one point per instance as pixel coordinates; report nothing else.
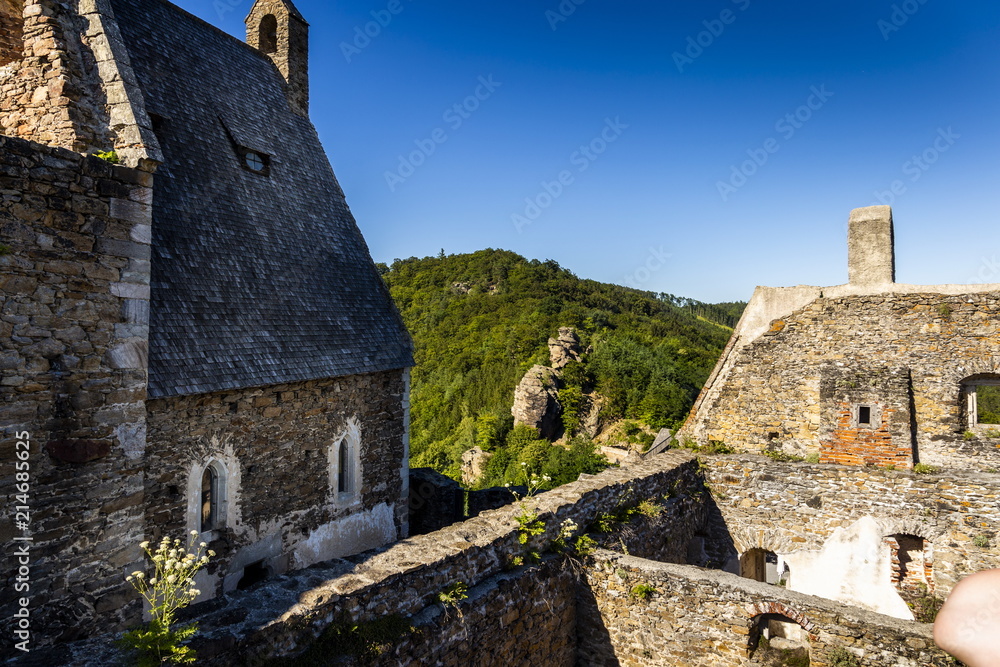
(214, 27)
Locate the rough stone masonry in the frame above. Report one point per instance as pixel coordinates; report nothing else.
(868, 373)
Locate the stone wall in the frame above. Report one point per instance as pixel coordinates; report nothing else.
(284, 616)
(74, 291)
(69, 84)
(11, 31)
(796, 507)
(278, 447)
(704, 618)
(583, 610)
(768, 392)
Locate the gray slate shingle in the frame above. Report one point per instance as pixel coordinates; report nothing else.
(257, 280)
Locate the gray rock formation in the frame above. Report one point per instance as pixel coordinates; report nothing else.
(474, 465)
(536, 401)
(564, 349)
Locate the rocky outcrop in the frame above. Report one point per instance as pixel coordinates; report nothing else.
(474, 465)
(536, 401)
(564, 349)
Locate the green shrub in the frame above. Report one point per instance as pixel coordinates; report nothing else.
(108, 156)
(781, 457)
(982, 541)
(968, 435)
(642, 592)
(924, 469)
(841, 657)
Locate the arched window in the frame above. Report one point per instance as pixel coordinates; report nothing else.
(209, 499)
(343, 469)
(207, 507)
(344, 457)
(268, 35)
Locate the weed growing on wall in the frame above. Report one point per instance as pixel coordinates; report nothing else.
(642, 591)
(925, 606)
(924, 469)
(109, 156)
(170, 589)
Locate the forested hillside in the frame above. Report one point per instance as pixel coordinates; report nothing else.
(480, 321)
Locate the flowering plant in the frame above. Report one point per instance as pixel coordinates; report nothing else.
(170, 589)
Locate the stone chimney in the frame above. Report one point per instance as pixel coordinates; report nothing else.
(277, 29)
(871, 256)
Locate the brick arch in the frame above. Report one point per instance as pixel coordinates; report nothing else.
(765, 607)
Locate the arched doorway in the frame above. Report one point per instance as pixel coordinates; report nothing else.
(776, 639)
(765, 566)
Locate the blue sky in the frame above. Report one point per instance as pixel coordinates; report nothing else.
(697, 148)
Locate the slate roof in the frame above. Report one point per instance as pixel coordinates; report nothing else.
(256, 280)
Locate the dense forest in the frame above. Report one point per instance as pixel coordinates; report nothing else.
(481, 320)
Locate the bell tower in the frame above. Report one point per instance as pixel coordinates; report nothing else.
(277, 29)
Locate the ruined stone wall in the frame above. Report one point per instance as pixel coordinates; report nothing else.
(11, 44)
(769, 394)
(793, 507)
(558, 612)
(55, 96)
(704, 618)
(68, 83)
(278, 446)
(74, 307)
(284, 616)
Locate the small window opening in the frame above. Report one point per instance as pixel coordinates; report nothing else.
(209, 499)
(864, 416)
(268, 37)
(173, 490)
(256, 162)
(988, 404)
(343, 463)
(254, 573)
(911, 566)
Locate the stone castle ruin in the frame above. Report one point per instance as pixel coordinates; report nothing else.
(868, 373)
(197, 339)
